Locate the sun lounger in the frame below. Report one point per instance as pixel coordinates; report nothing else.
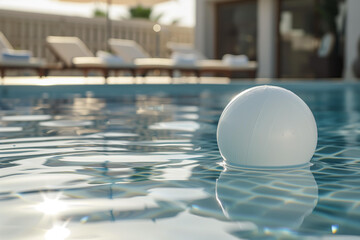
(228, 70)
(184, 59)
(228, 65)
(17, 59)
(74, 54)
(133, 53)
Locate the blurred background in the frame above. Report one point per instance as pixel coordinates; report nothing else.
(287, 38)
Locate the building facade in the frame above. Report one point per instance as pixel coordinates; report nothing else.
(288, 38)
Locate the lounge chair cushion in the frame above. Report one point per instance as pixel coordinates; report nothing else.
(220, 66)
(185, 48)
(10, 58)
(67, 48)
(4, 43)
(185, 59)
(128, 50)
(15, 55)
(109, 58)
(31, 63)
(235, 60)
(88, 62)
(165, 63)
(97, 62)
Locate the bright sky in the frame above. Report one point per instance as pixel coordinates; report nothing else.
(184, 10)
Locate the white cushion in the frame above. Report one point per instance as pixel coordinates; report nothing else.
(128, 50)
(109, 58)
(185, 48)
(4, 43)
(186, 59)
(97, 62)
(32, 62)
(154, 62)
(68, 48)
(219, 65)
(235, 60)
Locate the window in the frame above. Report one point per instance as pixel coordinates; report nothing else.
(311, 36)
(236, 28)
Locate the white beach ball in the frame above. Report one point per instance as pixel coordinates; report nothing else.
(267, 126)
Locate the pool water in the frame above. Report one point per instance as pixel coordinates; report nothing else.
(127, 164)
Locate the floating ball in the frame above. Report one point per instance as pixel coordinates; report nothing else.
(267, 126)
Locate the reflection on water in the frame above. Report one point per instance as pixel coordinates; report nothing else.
(271, 198)
(57, 233)
(148, 166)
(51, 206)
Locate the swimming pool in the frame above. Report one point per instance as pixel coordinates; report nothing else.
(141, 162)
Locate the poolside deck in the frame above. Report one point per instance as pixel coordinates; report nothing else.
(162, 80)
(33, 87)
(77, 80)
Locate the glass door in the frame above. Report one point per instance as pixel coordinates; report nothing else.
(311, 36)
(236, 28)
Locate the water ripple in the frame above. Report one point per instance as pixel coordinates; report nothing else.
(100, 168)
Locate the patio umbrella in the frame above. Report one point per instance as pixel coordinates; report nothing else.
(119, 2)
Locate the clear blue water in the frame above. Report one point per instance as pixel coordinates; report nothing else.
(116, 162)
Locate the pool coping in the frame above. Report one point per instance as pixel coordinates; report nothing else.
(113, 90)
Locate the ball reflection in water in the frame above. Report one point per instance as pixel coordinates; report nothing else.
(276, 198)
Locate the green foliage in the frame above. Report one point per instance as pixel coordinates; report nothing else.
(140, 12)
(175, 21)
(144, 13)
(99, 13)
